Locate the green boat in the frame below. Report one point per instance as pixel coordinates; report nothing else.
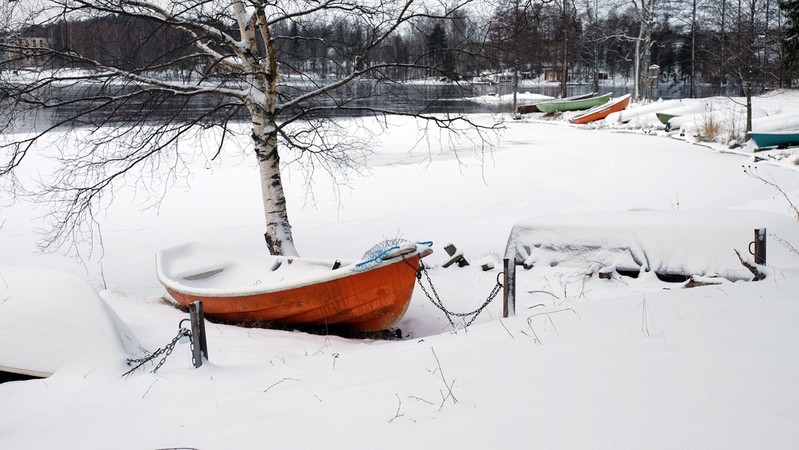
(526, 109)
(779, 139)
(552, 106)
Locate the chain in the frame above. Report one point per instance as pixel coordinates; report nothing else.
(436, 300)
(191, 348)
(165, 350)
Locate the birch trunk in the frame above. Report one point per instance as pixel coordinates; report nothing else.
(278, 236)
(262, 104)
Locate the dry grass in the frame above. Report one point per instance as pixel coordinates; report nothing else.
(710, 129)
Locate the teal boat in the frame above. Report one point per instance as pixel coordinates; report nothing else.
(779, 139)
(552, 106)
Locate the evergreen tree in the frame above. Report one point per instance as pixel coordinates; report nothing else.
(441, 58)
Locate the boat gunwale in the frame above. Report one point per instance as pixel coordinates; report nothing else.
(282, 285)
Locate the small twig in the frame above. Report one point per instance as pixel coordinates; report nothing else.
(553, 324)
(284, 379)
(399, 405)
(506, 329)
(547, 313)
(148, 389)
(449, 386)
(532, 330)
(752, 172)
(420, 399)
(543, 292)
(785, 244)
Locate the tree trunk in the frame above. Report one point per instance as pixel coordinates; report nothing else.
(565, 69)
(645, 13)
(515, 89)
(692, 92)
(637, 69)
(278, 236)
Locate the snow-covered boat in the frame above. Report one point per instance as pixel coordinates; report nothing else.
(690, 108)
(647, 111)
(50, 319)
(552, 106)
(776, 122)
(367, 295)
(601, 111)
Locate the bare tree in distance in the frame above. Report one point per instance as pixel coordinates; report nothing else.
(231, 54)
(645, 11)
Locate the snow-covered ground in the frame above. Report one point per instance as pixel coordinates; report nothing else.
(621, 363)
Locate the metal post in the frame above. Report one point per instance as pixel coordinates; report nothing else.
(759, 244)
(509, 287)
(198, 333)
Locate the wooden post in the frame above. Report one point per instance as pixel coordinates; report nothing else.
(759, 244)
(509, 287)
(198, 333)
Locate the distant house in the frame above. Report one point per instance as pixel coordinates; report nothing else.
(554, 74)
(507, 76)
(24, 52)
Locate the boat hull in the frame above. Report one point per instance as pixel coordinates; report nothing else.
(292, 291)
(553, 106)
(527, 109)
(602, 111)
(775, 139)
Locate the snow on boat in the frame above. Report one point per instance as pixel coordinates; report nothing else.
(644, 111)
(552, 106)
(644, 241)
(50, 319)
(665, 115)
(368, 295)
(601, 111)
(779, 139)
(776, 122)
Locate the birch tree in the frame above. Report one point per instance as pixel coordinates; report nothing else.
(234, 52)
(645, 10)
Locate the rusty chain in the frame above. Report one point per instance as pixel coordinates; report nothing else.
(165, 351)
(436, 300)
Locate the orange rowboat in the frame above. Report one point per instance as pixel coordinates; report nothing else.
(368, 295)
(603, 110)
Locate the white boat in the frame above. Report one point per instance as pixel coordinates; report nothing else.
(50, 319)
(776, 122)
(636, 111)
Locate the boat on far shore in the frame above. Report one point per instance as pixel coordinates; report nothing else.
(601, 111)
(527, 109)
(553, 106)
